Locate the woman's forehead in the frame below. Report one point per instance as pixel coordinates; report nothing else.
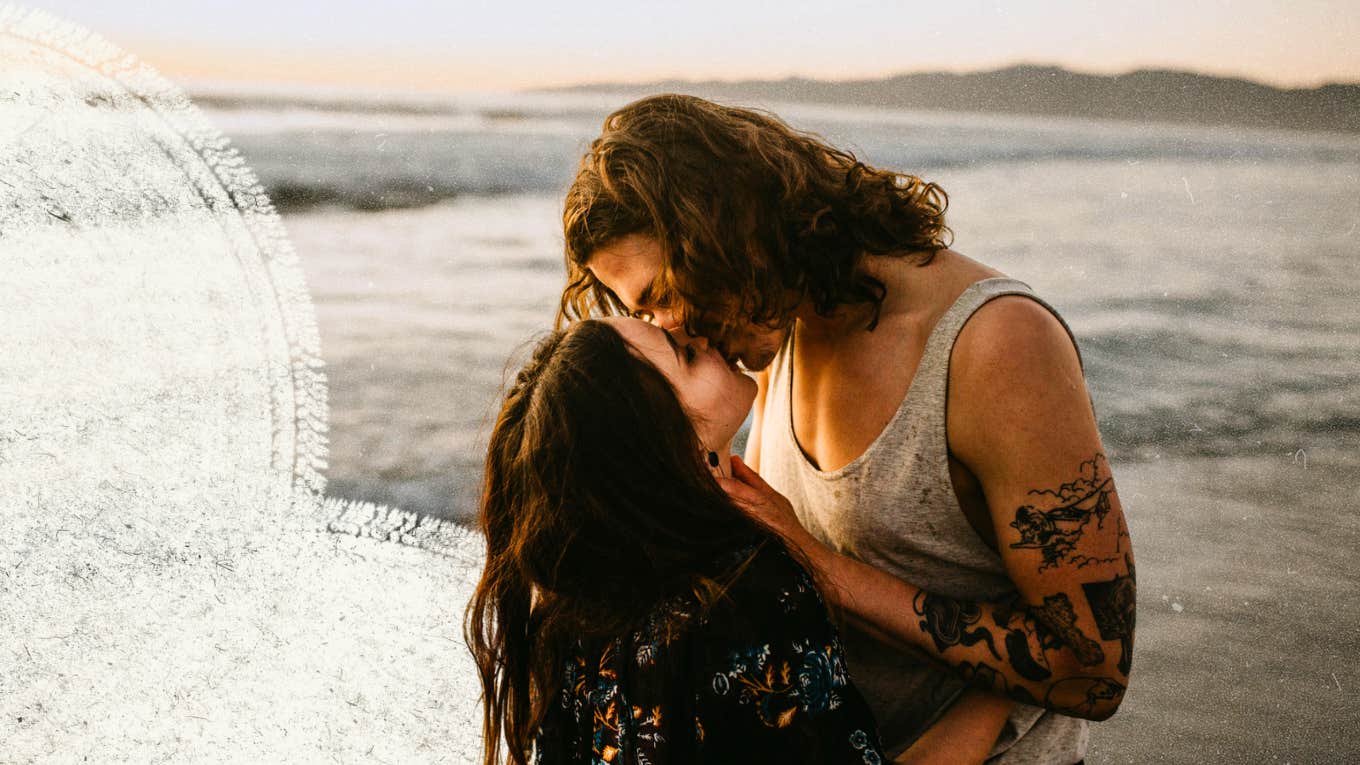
(644, 336)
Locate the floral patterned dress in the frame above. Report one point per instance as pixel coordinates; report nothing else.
(760, 679)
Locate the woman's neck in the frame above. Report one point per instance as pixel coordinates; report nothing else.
(724, 468)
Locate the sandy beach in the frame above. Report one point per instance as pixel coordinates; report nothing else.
(1248, 612)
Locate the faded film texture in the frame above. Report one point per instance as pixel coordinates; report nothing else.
(172, 586)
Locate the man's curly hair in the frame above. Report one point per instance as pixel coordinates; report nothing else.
(752, 216)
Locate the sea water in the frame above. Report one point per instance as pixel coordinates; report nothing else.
(1210, 273)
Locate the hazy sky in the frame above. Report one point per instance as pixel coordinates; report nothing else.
(472, 44)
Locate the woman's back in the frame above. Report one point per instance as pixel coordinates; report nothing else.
(760, 678)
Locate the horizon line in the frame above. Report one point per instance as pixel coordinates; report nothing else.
(1019, 64)
(393, 73)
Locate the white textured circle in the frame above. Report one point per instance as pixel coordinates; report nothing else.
(171, 586)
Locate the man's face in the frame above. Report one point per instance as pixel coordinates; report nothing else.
(629, 267)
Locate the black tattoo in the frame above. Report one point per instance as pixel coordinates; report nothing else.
(1114, 605)
(947, 620)
(1056, 613)
(1042, 628)
(1056, 530)
(981, 675)
(1080, 696)
(1030, 664)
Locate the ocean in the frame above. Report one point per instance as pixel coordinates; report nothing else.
(1210, 274)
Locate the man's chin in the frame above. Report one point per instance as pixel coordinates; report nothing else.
(758, 362)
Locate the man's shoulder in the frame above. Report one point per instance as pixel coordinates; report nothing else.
(1015, 376)
(1007, 335)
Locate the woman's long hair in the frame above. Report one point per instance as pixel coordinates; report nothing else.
(751, 215)
(596, 505)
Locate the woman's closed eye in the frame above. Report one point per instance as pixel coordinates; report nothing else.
(691, 353)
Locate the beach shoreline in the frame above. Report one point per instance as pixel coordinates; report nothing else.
(1248, 612)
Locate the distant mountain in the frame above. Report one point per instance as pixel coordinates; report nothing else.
(1143, 95)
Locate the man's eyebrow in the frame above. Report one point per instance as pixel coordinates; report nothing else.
(645, 296)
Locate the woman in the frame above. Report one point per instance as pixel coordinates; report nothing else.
(628, 611)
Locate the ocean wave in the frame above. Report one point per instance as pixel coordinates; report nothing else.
(374, 171)
(395, 193)
(373, 154)
(386, 178)
(1225, 432)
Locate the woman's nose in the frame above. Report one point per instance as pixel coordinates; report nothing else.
(700, 343)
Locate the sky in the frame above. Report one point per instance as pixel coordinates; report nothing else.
(475, 45)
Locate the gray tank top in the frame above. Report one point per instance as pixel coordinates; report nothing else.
(894, 508)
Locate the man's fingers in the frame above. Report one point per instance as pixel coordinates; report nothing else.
(742, 472)
(734, 487)
(740, 492)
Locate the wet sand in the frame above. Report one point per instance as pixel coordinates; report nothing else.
(1248, 612)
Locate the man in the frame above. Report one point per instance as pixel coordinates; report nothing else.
(926, 416)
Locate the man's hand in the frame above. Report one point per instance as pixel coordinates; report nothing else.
(768, 507)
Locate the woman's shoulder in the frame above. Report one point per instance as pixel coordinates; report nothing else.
(773, 567)
(772, 682)
(771, 590)
(760, 578)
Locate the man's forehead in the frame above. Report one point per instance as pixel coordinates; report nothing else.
(630, 275)
(636, 251)
(612, 266)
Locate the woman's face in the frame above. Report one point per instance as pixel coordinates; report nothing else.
(715, 394)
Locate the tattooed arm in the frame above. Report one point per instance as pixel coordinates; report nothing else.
(1020, 421)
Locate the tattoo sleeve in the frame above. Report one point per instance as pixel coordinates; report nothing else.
(1028, 634)
(1057, 523)
(1114, 606)
(1047, 652)
(947, 621)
